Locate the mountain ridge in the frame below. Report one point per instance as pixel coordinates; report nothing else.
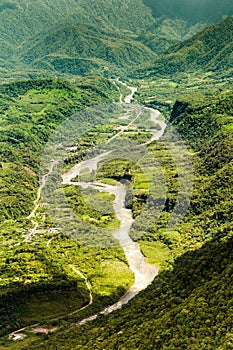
(205, 51)
(45, 29)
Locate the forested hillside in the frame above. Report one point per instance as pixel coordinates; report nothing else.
(30, 110)
(79, 49)
(82, 37)
(82, 30)
(210, 50)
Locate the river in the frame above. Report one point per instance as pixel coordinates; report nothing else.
(144, 273)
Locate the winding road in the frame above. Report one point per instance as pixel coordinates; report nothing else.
(32, 232)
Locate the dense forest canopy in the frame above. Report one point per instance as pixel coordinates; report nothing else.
(95, 37)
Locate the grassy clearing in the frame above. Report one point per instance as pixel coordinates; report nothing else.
(157, 253)
(114, 276)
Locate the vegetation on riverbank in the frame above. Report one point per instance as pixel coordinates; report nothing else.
(191, 304)
(61, 266)
(30, 112)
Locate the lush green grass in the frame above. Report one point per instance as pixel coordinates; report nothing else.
(46, 305)
(157, 253)
(92, 207)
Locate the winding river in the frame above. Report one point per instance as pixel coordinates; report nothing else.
(144, 273)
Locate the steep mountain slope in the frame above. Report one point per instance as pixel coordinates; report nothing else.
(76, 29)
(70, 47)
(210, 50)
(21, 20)
(79, 37)
(167, 31)
(128, 15)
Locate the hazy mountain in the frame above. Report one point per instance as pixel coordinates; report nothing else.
(77, 29)
(191, 10)
(21, 20)
(209, 50)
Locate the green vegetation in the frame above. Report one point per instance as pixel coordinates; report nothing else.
(85, 209)
(38, 273)
(190, 305)
(33, 270)
(54, 281)
(30, 111)
(157, 253)
(77, 49)
(72, 37)
(208, 51)
(77, 37)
